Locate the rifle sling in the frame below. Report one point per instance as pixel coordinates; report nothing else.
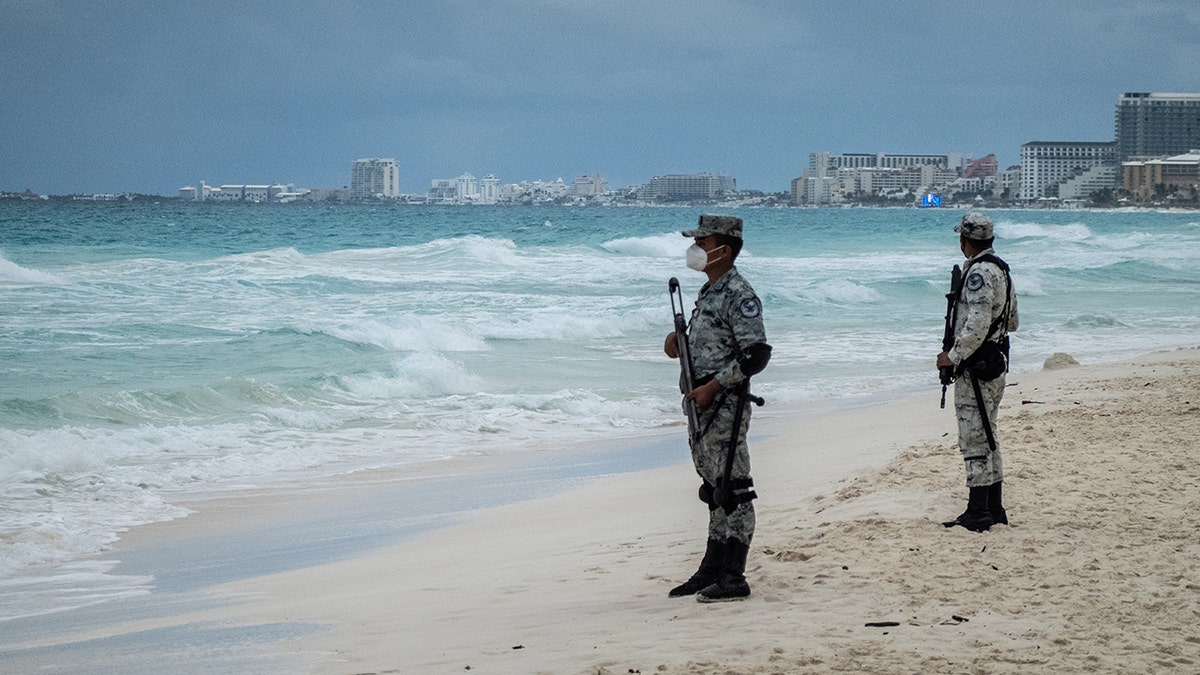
(715, 407)
(738, 412)
(987, 425)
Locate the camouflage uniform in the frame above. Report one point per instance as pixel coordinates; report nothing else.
(985, 293)
(727, 318)
(727, 346)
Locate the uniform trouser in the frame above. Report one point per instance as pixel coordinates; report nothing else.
(983, 464)
(709, 456)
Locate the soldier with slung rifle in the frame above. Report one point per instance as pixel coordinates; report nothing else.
(982, 312)
(727, 345)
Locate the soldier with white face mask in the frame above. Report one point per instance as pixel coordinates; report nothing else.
(728, 345)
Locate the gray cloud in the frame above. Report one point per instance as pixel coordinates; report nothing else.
(111, 96)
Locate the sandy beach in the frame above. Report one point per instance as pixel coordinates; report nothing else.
(1096, 573)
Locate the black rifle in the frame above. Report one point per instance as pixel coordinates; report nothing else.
(946, 373)
(687, 379)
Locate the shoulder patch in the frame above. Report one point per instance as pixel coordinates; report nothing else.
(750, 308)
(975, 282)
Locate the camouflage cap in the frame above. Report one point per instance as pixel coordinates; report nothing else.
(975, 225)
(710, 224)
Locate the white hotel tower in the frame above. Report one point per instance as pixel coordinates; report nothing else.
(375, 179)
(1067, 169)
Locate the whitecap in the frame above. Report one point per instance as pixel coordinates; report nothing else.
(285, 256)
(553, 325)
(1095, 321)
(656, 246)
(419, 376)
(13, 273)
(1122, 242)
(1069, 232)
(1031, 284)
(409, 333)
(384, 261)
(841, 291)
(501, 251)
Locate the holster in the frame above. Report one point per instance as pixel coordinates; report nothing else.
(726, 496)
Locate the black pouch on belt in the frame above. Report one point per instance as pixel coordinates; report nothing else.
(989, 361)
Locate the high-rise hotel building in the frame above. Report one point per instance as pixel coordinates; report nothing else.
(822, 164)
(1067, 169)
(375, 179)
(1157, 125)
(680, 187)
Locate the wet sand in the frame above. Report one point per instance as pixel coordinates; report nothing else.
(1096, 572)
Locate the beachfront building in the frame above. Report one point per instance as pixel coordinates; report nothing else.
(984, 166)
(819, 190)
(687, 187)
(256, 193)
(1066, 169)
(468, 188)
(242, 193)
(535, 192)
(1090, 182)
(823, 163)
(885, 181)
(1008, 182)
(489, 189)
(589, 186)
(442, 191)
(1158, 178)
(799, 191)
(321, 194)
(227, 193)
(375, 178)
(880, 174)
(1157, 125)
(818, 165)
(283, 194)
(202, 193)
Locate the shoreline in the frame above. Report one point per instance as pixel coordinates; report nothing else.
(303, 505)
(483, 481)
(849, 534)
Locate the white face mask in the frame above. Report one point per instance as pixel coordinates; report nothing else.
(697, 258)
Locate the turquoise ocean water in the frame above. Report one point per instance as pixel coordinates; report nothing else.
(155, 352)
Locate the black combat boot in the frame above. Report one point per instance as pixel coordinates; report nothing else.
(732, 583)
(996, 504)
(976, 518)
(709, 572)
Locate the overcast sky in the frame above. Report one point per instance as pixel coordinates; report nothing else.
(148, 96)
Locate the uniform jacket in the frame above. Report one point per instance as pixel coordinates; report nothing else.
(981, 301)
(726, 320)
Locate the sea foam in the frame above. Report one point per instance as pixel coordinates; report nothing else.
(657, 246)
(12, 273)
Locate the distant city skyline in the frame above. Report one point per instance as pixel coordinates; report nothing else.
(1155, 156)
(113, 97)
